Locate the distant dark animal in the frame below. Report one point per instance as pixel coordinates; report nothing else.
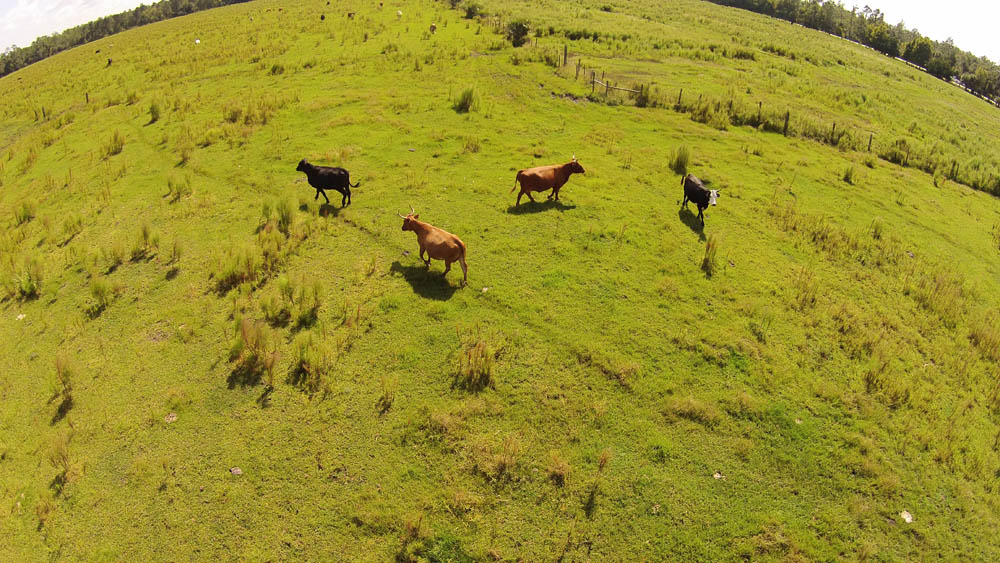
(438, 243)
(543, 178)
(696, 192)
(328, 178)
(322, 17)
(434, 28)
(109, 63)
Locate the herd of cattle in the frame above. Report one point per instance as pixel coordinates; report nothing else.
(439, 244)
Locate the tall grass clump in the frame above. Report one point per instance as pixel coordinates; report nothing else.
(467, 101)
(154, 112)
(239, 265)
(62, 388)
(178, 187)
(114, 146)
(708, 263)
(679, 160)
(24, 212)
(312, 364)
(692, 409)
(254, 351)
(103, 294)
(848, 175)
(145, 245)
(476, 359)
(28, 283)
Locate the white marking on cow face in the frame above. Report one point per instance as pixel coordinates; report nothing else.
(712, 196)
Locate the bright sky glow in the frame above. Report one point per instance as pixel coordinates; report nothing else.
(970, 23)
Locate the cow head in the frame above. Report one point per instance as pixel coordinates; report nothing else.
(409, 219)
(575, 168)
(303, 166)
(712, 196)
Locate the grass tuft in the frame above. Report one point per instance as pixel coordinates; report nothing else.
(679, 160)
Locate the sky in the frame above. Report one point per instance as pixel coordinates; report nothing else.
(970, 23)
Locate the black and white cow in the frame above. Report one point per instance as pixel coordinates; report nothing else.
(695, 191)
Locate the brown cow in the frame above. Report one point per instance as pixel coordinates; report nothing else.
(438, 243)
(543, 178)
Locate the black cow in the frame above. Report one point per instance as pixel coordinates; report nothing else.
(328, 178)
(701, 196)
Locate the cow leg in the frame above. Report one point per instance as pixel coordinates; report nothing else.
(324, 196)
(555, 193)
(447, 267)
(465, 270)
(685, 202)
(701, 215)
(427, 261)
(529, 197)
(521, 193)
(343, 199)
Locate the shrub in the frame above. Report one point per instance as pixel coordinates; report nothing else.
(466, 101)
(178, 187)
(277, 69)
(471, 145)
(388, 396)
(517, 32)
(679, 160)
(154, 111)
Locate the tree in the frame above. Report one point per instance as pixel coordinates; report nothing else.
(918, 51)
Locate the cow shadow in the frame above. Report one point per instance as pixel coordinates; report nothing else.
(426, 283)
(327, 210)
(691, 220)
(538, 207)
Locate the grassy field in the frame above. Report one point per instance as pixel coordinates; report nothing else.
(205, 363)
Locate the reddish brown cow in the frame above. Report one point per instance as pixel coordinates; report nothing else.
(543, 178)
(438, 243)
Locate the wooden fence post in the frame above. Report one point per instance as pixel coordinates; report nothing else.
(760, 106)
(577, 70)
(607, 88)
(565, 54)
(593, 81)
(784, 131)
(88, 97)
(833, 134)
(679, 94)
(870, 136)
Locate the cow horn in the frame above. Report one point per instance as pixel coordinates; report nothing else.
(412, 211)
(401, 216)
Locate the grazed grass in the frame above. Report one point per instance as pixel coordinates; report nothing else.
(842, 369)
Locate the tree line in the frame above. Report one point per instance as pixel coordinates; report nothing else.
(14, 58)
(868, 27)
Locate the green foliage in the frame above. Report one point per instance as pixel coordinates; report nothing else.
(154, 111)
(312, 364)
(254, 353)
(708, 262)
(918, 51)
(517, 32)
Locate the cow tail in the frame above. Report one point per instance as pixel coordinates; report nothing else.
(516, 180)
(354, 185)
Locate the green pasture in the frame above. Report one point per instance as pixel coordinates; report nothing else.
(204, 363)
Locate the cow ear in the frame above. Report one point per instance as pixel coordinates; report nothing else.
(416, 216)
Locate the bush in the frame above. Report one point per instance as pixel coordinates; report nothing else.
(467, 101)
(517, 32)
(62, 388)
(103, 294)
(29, 282)
(154, 111)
